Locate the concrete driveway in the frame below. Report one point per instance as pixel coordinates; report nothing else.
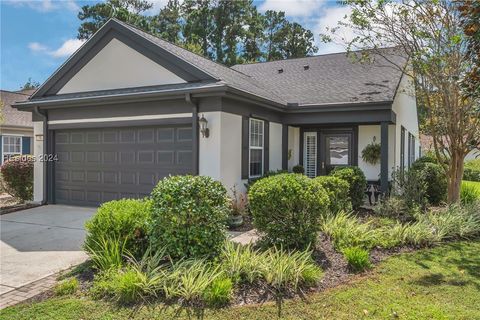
(40, 241)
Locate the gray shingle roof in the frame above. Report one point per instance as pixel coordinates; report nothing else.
(329, 79)
(11, 116)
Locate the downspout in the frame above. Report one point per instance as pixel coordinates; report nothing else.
(195, 138)
(44, 118)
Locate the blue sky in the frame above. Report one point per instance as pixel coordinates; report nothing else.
(38, 36)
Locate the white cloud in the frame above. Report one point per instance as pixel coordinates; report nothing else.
(329, 18)
(45, 5)
(298, 8)
(66, 49)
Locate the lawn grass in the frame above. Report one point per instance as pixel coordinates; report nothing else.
(474, 184)
(438, 283)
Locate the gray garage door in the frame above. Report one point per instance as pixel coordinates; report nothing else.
(98, 165)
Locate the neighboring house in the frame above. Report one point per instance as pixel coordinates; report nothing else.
(426, 143)
(127, 109)
(16, 127)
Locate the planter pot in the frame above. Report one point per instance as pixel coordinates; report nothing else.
(235, 221)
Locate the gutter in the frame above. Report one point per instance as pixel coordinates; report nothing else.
(44, 117)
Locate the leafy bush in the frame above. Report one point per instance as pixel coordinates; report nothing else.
(67, 286)
(472, 170)
(358, 259)
(219, 293)
(17, 176)
(189, 216)
(346, 231)
(298, 169)
(435, 179)
(394, 207)
(107, 253)
(470, 192)
(357, 182)
(126, 220)
(287, 208)
(267, 174)
(338, 193)
(241, 263)
(411, 186)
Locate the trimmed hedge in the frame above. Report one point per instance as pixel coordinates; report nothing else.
(17, 176)
(287, 209)
(338, 193)
(189, 216)
(472, 170)
(357, 181)
(125, 220)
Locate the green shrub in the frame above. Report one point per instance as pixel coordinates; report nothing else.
(241, 262)
(126, 220)
(411, 186)
(267, 174)
(338, 193)
(298, 169)
(470, 192)
(219, 293)
(358, 259)
(435, 179)
(472, 170)
(346, 231)
(67, 286)
(287, 208)
(357, 183)
(394, 207)
(107, 253)
(189, 216)
(17, 176)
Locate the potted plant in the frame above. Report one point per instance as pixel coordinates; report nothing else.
(371, 153)
(237, 209)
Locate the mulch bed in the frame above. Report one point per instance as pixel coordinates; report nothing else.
(17, 207)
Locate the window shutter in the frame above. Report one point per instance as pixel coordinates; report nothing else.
(245, 145)
(266, 147)
(26, 145)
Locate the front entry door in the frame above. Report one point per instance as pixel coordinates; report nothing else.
(324, 150)
(336, 151)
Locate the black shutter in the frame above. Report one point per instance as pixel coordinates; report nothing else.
(245, 145)
(266, 147)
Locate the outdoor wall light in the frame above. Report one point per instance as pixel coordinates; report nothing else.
(203, 126)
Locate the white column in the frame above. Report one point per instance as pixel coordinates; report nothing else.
(38, 183)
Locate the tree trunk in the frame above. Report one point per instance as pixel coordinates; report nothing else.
(455, 177)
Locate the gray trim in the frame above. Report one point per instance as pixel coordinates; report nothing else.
(247, 109)
(284, 147)
(354, 106)
(130, 123)
(110, 30)
(357, 117)
(245, 147)
(384, 157)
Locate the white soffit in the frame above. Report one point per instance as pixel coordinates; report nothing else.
(118, 66)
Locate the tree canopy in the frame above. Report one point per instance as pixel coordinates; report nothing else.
(229, 32)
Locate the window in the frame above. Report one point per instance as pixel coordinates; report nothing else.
(402, 149)
(12, 146)
(256, 156)
(411, 149)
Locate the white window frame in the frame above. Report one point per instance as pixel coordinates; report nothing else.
(250, 147)
(4, 153)
(305, 153)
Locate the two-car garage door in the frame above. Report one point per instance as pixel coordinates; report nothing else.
(98, 165)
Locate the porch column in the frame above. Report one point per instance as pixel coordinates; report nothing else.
(384, 157)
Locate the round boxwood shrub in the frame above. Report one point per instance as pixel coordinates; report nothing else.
(338, 193)
(189, 216)
(124, 220)
(357, 183)
(435, 180)
(287, 209)
(17, 176)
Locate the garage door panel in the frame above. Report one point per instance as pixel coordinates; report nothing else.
(95, 165)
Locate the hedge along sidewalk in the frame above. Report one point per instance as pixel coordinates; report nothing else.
(28, 291)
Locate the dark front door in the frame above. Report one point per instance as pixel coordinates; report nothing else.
(336, 150)
(98, 165)
(325, 149)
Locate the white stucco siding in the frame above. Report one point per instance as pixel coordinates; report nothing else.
(119, 66)
(38, 183)
(293, 147)
(405, 107)
(365, 137)
(275, 145)
(220, 155)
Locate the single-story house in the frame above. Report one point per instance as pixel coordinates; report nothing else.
(16, 127)
(128, 109)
